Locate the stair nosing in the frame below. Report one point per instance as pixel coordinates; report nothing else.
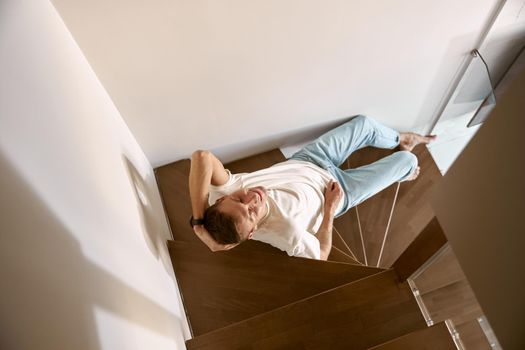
(379, 269)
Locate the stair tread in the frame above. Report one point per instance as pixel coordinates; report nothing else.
(347, 227)
(455, 301)
(376, 308)
(337, 254)
(472, 335)
(442, 272)
(342, 245)
(172, 181)
(436, 337)
(412, 211)
(366, 224)
(226, 287)
(374, 213)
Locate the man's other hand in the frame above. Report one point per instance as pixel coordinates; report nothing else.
(332, 196)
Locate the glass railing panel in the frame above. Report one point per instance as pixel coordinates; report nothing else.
(444, 295)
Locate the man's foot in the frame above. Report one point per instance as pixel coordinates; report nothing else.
(409, 140)
(414, 175)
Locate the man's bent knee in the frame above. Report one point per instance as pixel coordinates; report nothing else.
(408, 158)
(408, 162)
(362, 119)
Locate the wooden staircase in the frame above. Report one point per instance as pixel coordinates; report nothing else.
(356, 315)
(256, 297)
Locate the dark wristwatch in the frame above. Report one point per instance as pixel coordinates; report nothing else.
(194, 222)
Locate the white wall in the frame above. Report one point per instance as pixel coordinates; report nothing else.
(237, 75)
(83, 262)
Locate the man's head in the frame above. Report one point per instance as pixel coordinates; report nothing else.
(234, 218)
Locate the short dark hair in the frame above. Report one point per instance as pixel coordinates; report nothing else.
(220, 226)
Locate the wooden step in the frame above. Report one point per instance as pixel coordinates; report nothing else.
(436, 337)
(374, 213)
(342, 245)
(412, 211)
(455, 301)
(472, 336)
(405, 214)
(347, 227)
(338, 255)
(445, 290)
(172, 180)
(362, 227)
(428, 243)
(226, 287)
(357, 315)
(442, 272)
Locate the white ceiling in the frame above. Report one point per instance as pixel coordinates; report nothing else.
(236, 75)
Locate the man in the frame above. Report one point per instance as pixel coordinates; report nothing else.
(292, 204)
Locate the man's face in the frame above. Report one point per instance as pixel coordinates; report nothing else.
(247, 207)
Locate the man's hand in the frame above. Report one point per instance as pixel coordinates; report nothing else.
(332, 196)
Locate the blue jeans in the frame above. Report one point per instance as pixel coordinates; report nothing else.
(331, 149)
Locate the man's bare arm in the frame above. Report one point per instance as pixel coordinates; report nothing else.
(205, 169)
(333, 195)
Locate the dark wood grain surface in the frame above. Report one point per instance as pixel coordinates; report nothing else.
(347, 227)
(226, 287)
(436, 337)
(337, 254)
(374, 213)
(412, 211)
(358, 315)
(426, 244)
(446, 293)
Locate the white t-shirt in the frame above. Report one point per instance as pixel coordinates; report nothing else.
(296, 200)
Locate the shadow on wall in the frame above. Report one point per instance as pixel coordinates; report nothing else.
(154, 224)
(284, 140)
(51, 290)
